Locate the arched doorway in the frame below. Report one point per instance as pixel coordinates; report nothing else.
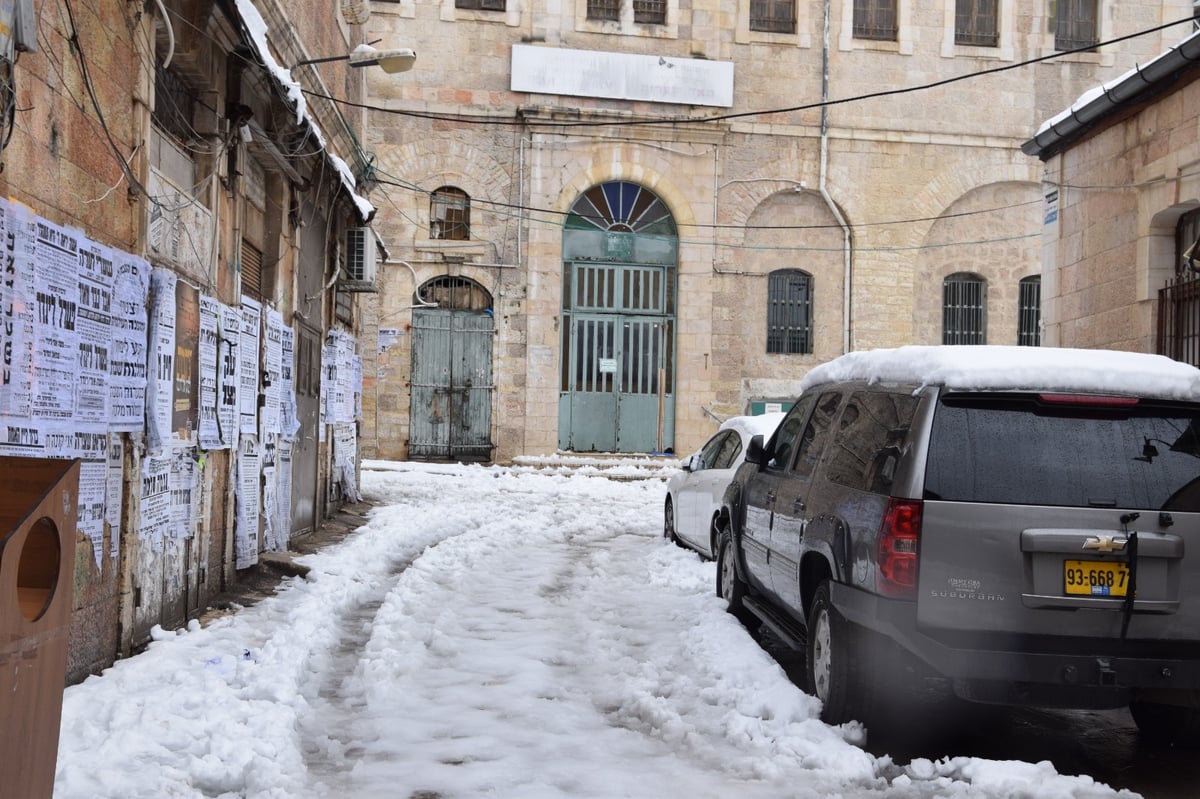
(620, 253)
(451, 409)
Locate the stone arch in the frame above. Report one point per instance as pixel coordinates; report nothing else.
(993, 231)
(454, 164)
(629, 162)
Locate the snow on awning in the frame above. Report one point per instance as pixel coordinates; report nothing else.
(256, 26)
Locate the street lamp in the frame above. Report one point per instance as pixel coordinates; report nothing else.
(390, 61)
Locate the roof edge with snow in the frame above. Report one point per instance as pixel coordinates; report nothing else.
(1093, 106)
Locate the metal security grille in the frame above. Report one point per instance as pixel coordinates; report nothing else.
(1179, 300)
(1075, 24)
(963, 302)
(650, 12)
(604, 9)
(773, 16)
(1029, 312)
(789, 312)
(486, 5)
(1179, 320)
(594, 350)
(875, 19)
(628, 288)
(975, 23)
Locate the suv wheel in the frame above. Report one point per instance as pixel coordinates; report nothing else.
(1167, 724)
(729, 585)
(837, 672)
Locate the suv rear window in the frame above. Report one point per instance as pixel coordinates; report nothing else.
(1017, 449)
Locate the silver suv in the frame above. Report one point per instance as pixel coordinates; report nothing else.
(1015, 521)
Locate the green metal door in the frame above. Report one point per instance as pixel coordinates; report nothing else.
(451, 413)
(618, 342)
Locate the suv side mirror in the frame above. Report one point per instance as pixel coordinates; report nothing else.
(755, 453)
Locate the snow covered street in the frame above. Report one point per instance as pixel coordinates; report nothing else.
(505, 632)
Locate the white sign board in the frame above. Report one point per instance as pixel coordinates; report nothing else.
(621, 76)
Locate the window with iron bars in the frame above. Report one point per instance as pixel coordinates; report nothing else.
(604, 9)
(773, 16)
(450, 214)
(650, 12)
(875, 19)
(976, 23)
(964, 306)
(1179, 300)
(1029, 312)
(1075, 23)
(483, 5)
(789, 312)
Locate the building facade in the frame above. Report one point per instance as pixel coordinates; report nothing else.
(610, 223)
(1122, 182)
(180, 316)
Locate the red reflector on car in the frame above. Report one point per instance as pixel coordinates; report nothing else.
(899, 534)
(1088, 399)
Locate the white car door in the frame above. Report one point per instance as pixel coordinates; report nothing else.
(695, 494)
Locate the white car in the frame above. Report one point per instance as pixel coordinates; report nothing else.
(694, 493)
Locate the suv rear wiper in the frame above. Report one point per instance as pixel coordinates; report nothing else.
(1131, 548)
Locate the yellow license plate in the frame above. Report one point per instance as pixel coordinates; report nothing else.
(1095, 578)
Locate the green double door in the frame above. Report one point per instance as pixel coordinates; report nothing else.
(618, 350)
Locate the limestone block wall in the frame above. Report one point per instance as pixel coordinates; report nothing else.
(918, 183)
(1121, 192)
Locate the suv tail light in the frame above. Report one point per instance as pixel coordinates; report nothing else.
(899, 534)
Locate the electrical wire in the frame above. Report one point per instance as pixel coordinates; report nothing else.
(516, 119)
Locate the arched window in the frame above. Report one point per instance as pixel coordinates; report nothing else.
(455, 294)
(450, 214)
(1029, 312)
(789, 312)
(964, 309)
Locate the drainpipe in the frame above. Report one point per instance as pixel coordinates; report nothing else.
(837, 214)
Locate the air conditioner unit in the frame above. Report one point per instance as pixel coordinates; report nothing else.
(359, 274)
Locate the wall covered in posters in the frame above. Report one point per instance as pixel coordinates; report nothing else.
(97, 343)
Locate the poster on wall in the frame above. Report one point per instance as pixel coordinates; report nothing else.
(95, 282)
(209, 428)
(289, 421)
(155, 519)
(249, 473)
(269, 500)
(272, 372)
(345, 457)
(89, 443)
(127, 353)
(16, 301)
(248, 366)
(160, 385)
(229, 336)
(183, 492)
(114, 492)
(56, 337)
(283, 513)
(185, 384)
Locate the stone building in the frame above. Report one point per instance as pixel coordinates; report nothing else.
(609, 223)
(179, 289)
(1122, 181)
